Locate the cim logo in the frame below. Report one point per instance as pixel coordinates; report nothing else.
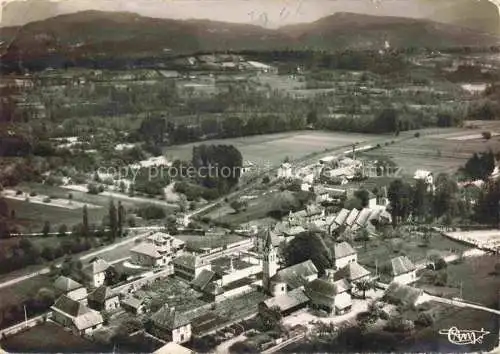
(464, 336)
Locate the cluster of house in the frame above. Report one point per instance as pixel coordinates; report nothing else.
(158, 250)
(79, 310)
(314, 217)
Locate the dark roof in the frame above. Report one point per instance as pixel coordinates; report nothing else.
(203, 279)
(268, 243)
(343, 249)
(401, 265)
(147, 249)
(294, 276)
(169, 318)
(323, 292)
(288, 301)
(352, 272)
(66, 284)
(206, 322)
(101, 294)
(70, 306)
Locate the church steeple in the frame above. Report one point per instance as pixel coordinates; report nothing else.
(270, 263)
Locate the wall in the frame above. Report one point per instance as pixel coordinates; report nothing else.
(240, 274)
(406, 278)
(99, 279)
(182, 331)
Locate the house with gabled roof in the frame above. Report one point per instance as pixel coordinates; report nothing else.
(287, 303)
(71, 288)
(343, 254)
(174, 325)
(329, 295)
(403, 270)
(133, 304)
(104, 299)
(96, 270)
(353, 272)
(297, 275)
(189, 266)
(351, 218)
(76, 316)
(204, 279)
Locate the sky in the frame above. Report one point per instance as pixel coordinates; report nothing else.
(269, 13)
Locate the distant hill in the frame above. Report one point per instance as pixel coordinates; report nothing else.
(98, 35)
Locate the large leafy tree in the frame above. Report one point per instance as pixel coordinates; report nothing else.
(400, 198)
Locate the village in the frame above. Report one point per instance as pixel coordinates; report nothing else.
(185, 299)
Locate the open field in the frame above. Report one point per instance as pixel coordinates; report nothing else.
(383, 250)
(48, 337)
(273, 148)
(17, 293)
(196, 243)
(31, 217)
(436, 153)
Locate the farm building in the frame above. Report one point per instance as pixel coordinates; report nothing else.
(173, 325)
(133, 304)
(343, 254)
(287, 303)
(330, 296)
(157, 250)
(285, 171)
(70, 288)
(403, 270)
(103, 299)
(76, 316)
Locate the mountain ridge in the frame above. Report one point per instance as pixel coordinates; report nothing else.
(99, 34)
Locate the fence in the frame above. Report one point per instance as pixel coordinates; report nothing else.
(24, 325)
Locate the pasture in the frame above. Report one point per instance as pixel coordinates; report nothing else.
(272, 149)
(196, 243)
(442, 152)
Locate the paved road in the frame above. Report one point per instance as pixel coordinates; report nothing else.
(459, 303)
(84, 257)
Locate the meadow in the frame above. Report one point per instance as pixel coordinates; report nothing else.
(274, 148)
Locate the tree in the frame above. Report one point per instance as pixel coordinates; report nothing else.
(70, 198)
(85, 222)
(239, 205)
(121, 218)
(446, 196)
(271, 319)
(308, 246)
(480, 166)
(365, 285)
(363, 235)
(151, 212)
(486, 135)
(420, 202)
(399, 195)
(364, 196)
(63, 230)
(113, 221)
(46, 229)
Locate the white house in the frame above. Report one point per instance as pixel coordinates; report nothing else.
(285, 170)
(172, 325)
(403, 270)
(72, 289)
(427, 177)
(76, 316)
(189, 266)
(96, 270)
(156, 251)
(343, 254)
(104, 299)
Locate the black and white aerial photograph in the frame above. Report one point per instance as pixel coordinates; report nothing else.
(249, 176)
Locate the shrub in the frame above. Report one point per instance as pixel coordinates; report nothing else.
(417, 135)
(424, 319)
(33, 194)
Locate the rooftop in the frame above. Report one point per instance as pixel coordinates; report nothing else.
(168, 317)
(146, 248)
(295, 276)
(401, 265)
(66, 284)
(101, 294)
(97, 266)
(352, 272)
(288, 301)
(343, 249)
